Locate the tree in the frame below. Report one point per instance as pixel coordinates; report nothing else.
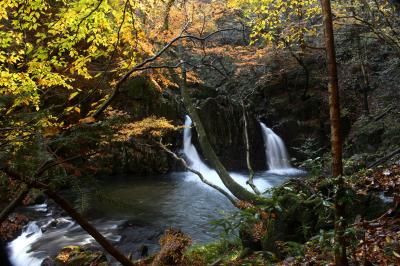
(50, 51)
(285, 24)
(336, 140)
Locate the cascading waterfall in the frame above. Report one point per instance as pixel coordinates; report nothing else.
(278, 160)
(20, 247)
(190, 151)
(195, 162)
(275, 149)
(53, 234)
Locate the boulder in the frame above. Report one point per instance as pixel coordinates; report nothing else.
(80, 256)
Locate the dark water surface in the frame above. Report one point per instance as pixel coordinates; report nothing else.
(131, 212)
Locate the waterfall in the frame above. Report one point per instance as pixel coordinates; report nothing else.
(195, 162)
(190, 151)
(278, 160)
(20, 248)
(46, 236)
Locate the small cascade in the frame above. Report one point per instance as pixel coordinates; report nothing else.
(20, 248)
(190, 151)
(195, 162)
(275, 149)
(48, 235)
(278, 160)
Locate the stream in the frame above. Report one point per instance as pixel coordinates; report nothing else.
(142, 208)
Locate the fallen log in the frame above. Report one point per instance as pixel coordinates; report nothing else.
(384, 159)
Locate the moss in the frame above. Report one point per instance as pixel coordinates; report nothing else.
(79, 256)
(209, 253)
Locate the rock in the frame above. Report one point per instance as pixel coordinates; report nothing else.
(80, 256)
(144, 251)
(137, 236)
(48, 262)
(173, 245)
(223, 122)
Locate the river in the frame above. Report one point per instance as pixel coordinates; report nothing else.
(134, 211)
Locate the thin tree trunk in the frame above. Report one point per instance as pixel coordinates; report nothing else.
(246, 138)
(336, 141)
(168, 8)
(237, 190)
(365, 88)
(74, 214)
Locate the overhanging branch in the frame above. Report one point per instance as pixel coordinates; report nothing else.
(141, 66)
(200, 175)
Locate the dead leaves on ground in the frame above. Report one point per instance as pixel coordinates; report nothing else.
(380, 243)
(10, 227)
(381, 179)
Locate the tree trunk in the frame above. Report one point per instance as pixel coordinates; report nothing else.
(336, 141)
(237, 190)
(366, 86)
(168, 8)
(246, 140)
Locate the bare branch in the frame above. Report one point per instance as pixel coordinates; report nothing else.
(141, 65)
(200, 175)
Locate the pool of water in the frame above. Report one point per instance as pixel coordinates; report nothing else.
(131, 212)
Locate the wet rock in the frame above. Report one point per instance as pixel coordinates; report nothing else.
(144, 251)
(12, 226)
(48, 262)
(139, 239)
(222, 119)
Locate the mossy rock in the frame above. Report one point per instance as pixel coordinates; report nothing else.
(79, 256)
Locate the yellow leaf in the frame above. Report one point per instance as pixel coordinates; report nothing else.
(73, 95)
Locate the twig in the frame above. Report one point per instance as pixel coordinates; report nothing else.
(52, 163)
(85, 17)
(384, 113)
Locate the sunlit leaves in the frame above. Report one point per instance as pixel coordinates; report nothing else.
(150, 127)
(280, 22)
(49, 44)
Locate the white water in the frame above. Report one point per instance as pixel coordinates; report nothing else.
(195, 162)
(20, 247)
(278, 160)
(39, 236)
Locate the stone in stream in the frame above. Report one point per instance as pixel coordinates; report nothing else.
(80, 256)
